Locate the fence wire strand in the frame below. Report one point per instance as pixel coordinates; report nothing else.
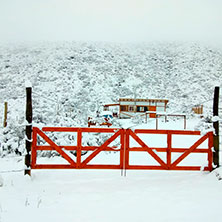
(12, 171)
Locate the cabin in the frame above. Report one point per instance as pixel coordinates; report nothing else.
(129, 107)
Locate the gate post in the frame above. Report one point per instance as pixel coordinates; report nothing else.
(169, 147)
(122, 151)
(210, 153)
(28, 129)
(126, 150)
(79, 148)
(216, 128)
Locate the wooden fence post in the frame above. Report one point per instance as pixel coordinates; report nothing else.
(5, 114)
(28, 130)
(216, 128)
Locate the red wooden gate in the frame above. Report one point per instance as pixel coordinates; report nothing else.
(79, 162)
(125, 137)
(168, 164)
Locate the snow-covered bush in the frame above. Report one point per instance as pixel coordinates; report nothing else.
(71, 81)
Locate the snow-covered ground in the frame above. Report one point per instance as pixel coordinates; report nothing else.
(105, 195)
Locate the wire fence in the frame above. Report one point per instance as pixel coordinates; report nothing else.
(12, 171)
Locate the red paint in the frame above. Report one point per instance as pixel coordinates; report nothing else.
(124, 150)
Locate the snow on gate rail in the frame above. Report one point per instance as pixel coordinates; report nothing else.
(129, 142)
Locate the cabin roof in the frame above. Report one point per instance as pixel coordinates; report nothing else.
(142, 100)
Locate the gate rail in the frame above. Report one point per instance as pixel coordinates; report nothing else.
(125, 136)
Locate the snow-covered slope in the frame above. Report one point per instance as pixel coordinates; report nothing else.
(72, 80)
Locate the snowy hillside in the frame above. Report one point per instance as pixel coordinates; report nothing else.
(72, 80)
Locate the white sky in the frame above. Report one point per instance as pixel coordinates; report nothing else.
(111, 20)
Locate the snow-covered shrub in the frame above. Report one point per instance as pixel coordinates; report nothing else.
(12, 139)
(71, 81)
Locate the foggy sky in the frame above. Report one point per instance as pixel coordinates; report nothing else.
(111, 20)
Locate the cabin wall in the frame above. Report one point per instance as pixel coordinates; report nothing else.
(130, 108)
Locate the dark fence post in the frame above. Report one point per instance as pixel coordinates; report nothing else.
(28, 130)
(216, 128)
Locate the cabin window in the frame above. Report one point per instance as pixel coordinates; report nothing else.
(131, 109)
(123, 108)
(142, 108)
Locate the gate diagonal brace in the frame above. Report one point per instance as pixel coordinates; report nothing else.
(191, 149)
(156, 157)
(57, 148)
(90, 157)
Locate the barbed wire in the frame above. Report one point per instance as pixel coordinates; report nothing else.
(19, 156)
(12, 171)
